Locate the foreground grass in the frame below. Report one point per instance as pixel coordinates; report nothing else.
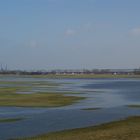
(120, 130)
(9, 120)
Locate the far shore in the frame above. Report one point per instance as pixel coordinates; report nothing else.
(75, 76)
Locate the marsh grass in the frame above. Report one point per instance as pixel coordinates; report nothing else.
(36, 100)
(134, 106)
(10, 120)
(30, 83)
(97, 108)
(9, 97)
(128, 129)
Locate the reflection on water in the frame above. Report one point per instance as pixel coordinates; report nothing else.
(111, 95)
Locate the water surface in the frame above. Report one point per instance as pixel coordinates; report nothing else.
(111, 95)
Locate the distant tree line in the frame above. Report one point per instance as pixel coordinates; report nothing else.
(83, 71)
(137, 71)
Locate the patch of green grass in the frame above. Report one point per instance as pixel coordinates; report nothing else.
(38, 100)
(133, 106)
(128, 129)
(59, 76)
(10, 97)
(97, 108)
(30, 83)
(9, 120)
(13, 95)
(45, 83)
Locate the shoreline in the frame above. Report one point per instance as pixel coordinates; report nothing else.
(123, 129)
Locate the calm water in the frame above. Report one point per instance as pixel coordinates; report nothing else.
(111, 95)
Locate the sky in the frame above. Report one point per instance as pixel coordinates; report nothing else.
(69, 34)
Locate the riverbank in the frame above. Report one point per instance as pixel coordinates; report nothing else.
(127, 129)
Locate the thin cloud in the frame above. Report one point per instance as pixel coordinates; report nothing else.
(84, 28)
(33, 44)
(88, 26)
(70, 32)
(135, 31)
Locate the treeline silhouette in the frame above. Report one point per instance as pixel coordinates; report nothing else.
(84, 71)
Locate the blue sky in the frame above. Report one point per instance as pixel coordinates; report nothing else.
(69, 34)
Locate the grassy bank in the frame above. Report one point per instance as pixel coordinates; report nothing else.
(120, 130)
